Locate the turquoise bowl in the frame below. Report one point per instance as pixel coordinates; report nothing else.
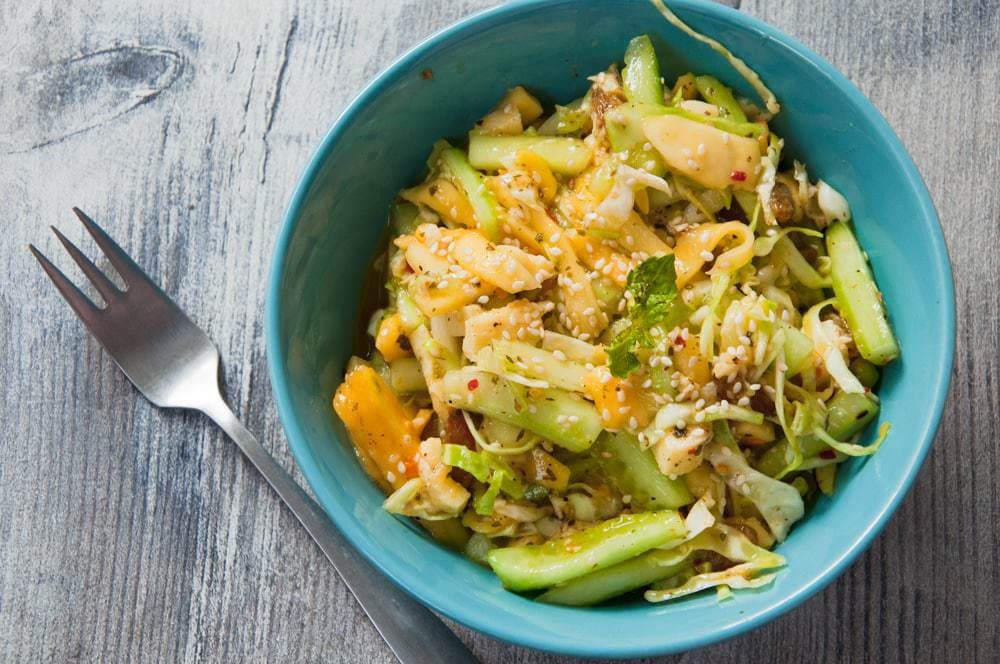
(378, 145)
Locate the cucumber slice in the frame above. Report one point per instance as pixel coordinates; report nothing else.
(858, 297)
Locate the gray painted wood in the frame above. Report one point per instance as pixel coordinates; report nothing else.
(128, 534)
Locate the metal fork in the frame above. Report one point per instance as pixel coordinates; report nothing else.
(175, 365)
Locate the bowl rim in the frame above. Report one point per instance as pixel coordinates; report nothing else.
(356, 536)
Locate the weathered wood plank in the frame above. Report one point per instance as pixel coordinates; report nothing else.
(128, 534)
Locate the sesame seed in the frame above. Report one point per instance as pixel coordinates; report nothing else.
(620, 395)
(532, 409)
(555, 251)
(624, 409)
(692, 164)
(555, 237)
(744, 401)
(584, 336)
(646, 384)
(706, 255)
(701, 150)
(517, 284)
(483, 299)
(559, 355)
(573, 419)
(391, 476)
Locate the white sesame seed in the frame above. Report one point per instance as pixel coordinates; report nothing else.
(744, 401)
(483, 299)
(573, 419)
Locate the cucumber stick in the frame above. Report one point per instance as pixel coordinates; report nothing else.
(616, 580)
(557, 415)
(456, 165)
(563, 154)
(633, 471)
(535, 566)
(858, 298)
(641, 76)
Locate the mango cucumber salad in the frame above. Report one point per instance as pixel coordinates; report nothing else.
(621, 344)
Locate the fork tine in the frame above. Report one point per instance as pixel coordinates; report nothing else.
(123, 263)
(81, 304)
(104, 286)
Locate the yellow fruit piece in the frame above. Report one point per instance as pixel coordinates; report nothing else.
(709, 156)
(390, 334)
(379, 426)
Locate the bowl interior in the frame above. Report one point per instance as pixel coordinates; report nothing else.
(379, 145)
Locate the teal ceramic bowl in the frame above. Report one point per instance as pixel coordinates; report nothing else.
(379, 144)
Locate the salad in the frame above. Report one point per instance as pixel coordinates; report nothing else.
(621, 344)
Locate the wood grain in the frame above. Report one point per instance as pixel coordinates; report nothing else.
(128, 534)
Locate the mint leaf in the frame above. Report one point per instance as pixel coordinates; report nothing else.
(653, 284)
(621, 354)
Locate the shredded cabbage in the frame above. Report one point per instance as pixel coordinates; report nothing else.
(779, 503)
(770, 101)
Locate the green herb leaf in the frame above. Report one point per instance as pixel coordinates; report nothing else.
(653, 285)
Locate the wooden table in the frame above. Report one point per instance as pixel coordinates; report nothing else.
(128, 534)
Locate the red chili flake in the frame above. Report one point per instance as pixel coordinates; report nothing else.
(473, 384)
(427, 74)
(738, 176)
(827, 454)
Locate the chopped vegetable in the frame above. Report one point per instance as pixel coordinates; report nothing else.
(858, 298)
(603, 545)
(556, 415)
(565, 155)
(634, 472)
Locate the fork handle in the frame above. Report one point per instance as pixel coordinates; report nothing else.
(414, 634)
